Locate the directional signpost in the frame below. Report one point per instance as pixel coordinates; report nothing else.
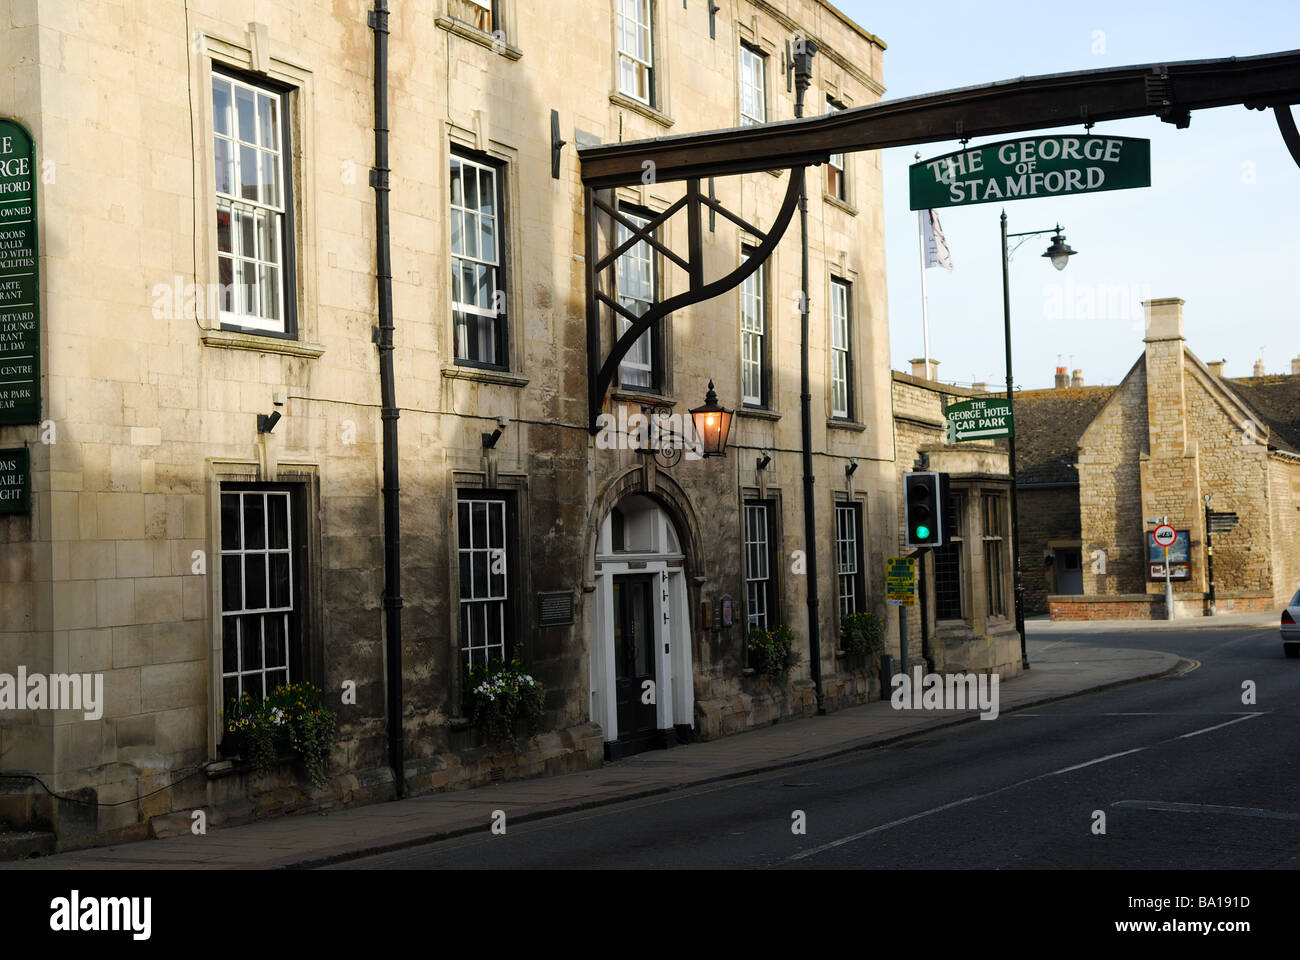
(979, 420)
(1215, 522)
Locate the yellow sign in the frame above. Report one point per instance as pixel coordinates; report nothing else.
(900, 581)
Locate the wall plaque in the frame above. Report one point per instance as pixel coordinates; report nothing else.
(20, 327)
(554, 608)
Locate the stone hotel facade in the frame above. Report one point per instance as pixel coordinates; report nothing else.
(207, 249)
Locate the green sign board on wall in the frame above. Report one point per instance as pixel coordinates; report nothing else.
(20, 323)
(15, 481)
(984, 419)
(1031, 167)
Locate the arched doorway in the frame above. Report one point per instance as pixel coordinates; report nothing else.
(642, 689)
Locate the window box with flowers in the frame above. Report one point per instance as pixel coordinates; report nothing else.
(771, 652)
(862, 635)
(503, 700)
(292, 720)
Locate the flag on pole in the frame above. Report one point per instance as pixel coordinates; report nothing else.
(936, 248)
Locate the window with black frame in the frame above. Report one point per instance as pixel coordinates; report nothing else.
(478, 291)
(948, 601)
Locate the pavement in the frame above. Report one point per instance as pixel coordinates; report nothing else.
(1042, 627)
(1059, 669)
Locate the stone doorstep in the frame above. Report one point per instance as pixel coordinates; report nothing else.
(27, 843)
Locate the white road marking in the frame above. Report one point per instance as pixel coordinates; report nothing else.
(1211, 808)
(1011, 786)
(1197, 733)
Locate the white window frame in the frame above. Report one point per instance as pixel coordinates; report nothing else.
(634, 28)
(267, 609)
(489, 595)
(753, 335)
(489, 328)
(753, 81)
(240, 304)
(847, 556)
(758, 572)
(841, 355)
(638, 289)
(836, 163)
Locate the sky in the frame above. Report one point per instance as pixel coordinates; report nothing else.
(1219, 227)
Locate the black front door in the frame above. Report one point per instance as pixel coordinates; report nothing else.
(634, 660)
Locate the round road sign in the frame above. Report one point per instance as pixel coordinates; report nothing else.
(1164, 535)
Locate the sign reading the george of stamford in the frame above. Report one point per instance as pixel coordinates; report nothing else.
(1031, 167)
(20, 329)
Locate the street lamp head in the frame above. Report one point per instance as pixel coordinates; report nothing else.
(713, 424)
(1059, 252)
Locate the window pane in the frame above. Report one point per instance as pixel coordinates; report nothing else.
(280, 594)
(221, 106)
(270, 295)
(267, 114)
(250, 645)
(248, 172)
(229, 644)
(457, 197)
(275, 646)
(278, 520)
(254, 521)
(223, 230)
(224, 165)
(244, 108)
(487, 192)
(270, 180)
(255, 581)
(232, 584)
(230, 521)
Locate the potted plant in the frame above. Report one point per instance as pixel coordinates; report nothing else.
(290, 719)
(862, 635)
(771, 652)
(500, 696)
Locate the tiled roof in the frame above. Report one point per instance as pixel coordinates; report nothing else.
(1277, 401)
(1048, 426)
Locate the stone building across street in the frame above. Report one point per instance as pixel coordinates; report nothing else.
(1174, 432)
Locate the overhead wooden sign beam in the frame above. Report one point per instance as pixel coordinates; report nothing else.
(1169, 91)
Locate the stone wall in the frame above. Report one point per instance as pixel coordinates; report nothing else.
(117, 570)
(1048, 515)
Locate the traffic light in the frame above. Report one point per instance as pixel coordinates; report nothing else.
(925, 501)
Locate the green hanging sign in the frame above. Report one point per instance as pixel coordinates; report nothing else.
(1031, 167)
(20, 317)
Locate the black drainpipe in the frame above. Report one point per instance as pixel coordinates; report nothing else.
(383, 336)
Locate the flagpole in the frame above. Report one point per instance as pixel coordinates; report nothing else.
(925, 320)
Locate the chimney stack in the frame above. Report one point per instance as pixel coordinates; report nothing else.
(1295, 367)
(981, 386)
(1259, 368)
(1164, 319)
(1062, 381)
(918, 369)
(1076, 378)
(1216, 367)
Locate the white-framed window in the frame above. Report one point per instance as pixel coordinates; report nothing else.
(835, 176)
(848, 557)
(253, 195)
(753, 88)
(635, 276)
(636, 49)
(258, 615)
(482, 538)
(841, 360)
(477, 13)
(760, 605)
(478, 299)
(753, 335)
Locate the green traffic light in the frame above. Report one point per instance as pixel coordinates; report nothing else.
(923, 533)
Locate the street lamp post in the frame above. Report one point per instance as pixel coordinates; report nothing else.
(1059, 253)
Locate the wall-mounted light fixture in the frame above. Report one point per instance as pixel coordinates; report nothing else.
(266, 423)
(490, 439)
(850, 468)
(760, 463)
